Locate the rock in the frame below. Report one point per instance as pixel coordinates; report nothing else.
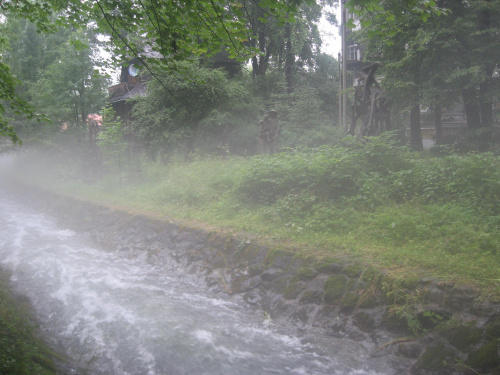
(410, 350)
(337, 328)
(436, 360)
(363, 321)
(356, 336)
(304, 274)
(311, 296)
(334, 288)
(463, 337)
(293, 289)
(486, 357)
(252, 297)
(429, 319)
(353, 270)
(270, 274)
(435, 295)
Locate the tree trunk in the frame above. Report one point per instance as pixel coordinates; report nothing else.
(438, 125)
(415, 131)
(486, 98)
(289, 59)
(486, 105)
(261, 62)
(471, 109)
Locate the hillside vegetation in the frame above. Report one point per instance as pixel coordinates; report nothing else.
(412, 214)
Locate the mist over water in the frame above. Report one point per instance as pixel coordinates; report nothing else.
(115, 313)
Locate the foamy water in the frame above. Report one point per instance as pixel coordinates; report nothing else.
(117, 314)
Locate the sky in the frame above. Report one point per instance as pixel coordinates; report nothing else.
(330, 36)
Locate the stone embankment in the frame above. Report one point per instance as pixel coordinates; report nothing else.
(420, 326)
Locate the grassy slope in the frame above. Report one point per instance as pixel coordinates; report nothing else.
(397, 225)
(21, 352)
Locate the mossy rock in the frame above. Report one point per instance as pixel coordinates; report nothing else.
(251, 252)
(364, 321)
(492, 331)
(436, 360)
(232, 245)
(256, 269)
(279, 258)
(301, 314)
(368, 300)
(330, 265)
(278, 285)
(334, 287)
(304, 274)
(464, 337)
(430, 319)
(293, 290)
(351, 285)
(349, 302)
(312, 296)
(485, 358)
(219, 261)
(353, 270)
(395, 323)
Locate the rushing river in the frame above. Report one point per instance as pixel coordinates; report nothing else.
(117, 314)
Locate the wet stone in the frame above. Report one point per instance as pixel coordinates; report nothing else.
(486, 357)
(184, 245)
(301, 314)
(364, 321)
(430, 319)
(293, 289)
(356, 336)
(410, 350)
(328, 267)
(312, 296)
(435, 295)
(463, 337)
(337, 329)
(252, 297)
(334, 288)
(270, 274)
(435, 360)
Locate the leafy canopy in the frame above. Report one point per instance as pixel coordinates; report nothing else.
(176, 30)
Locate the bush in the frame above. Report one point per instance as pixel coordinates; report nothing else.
(372, 174)
(328, 172)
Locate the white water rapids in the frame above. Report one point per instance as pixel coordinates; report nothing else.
(117, 314)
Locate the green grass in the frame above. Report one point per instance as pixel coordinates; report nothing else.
(21, 352)
(403, 212)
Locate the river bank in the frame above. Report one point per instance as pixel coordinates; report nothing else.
(21, 349)
(420, 326)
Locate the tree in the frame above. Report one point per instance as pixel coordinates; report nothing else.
(447, 57)
(168, 118)
(9, 99)
(111, 139)
(70, 88)
(176, 30)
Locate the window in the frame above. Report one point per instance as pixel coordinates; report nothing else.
(354, 53)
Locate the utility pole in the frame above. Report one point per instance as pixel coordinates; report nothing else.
(340, 96)
(344, 64)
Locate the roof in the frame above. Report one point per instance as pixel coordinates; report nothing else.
(124, 91)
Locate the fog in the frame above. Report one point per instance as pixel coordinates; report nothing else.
(116, 312)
